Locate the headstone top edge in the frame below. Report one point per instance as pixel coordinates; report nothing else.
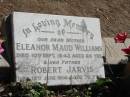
(17, 12)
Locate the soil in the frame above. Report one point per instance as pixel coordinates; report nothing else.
(114, 14)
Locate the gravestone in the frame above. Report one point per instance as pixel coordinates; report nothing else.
(4, 69)
(57, 49)
(113, 52)
(115, 59)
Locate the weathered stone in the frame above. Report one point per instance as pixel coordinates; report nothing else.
(4, 69)
(57, 49)
(113, 52)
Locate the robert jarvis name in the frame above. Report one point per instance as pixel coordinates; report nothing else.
(71, 69)
(80, 69)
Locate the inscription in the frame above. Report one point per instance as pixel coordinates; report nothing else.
(57, 50)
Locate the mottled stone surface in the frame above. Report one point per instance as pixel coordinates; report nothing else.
(113, 52)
